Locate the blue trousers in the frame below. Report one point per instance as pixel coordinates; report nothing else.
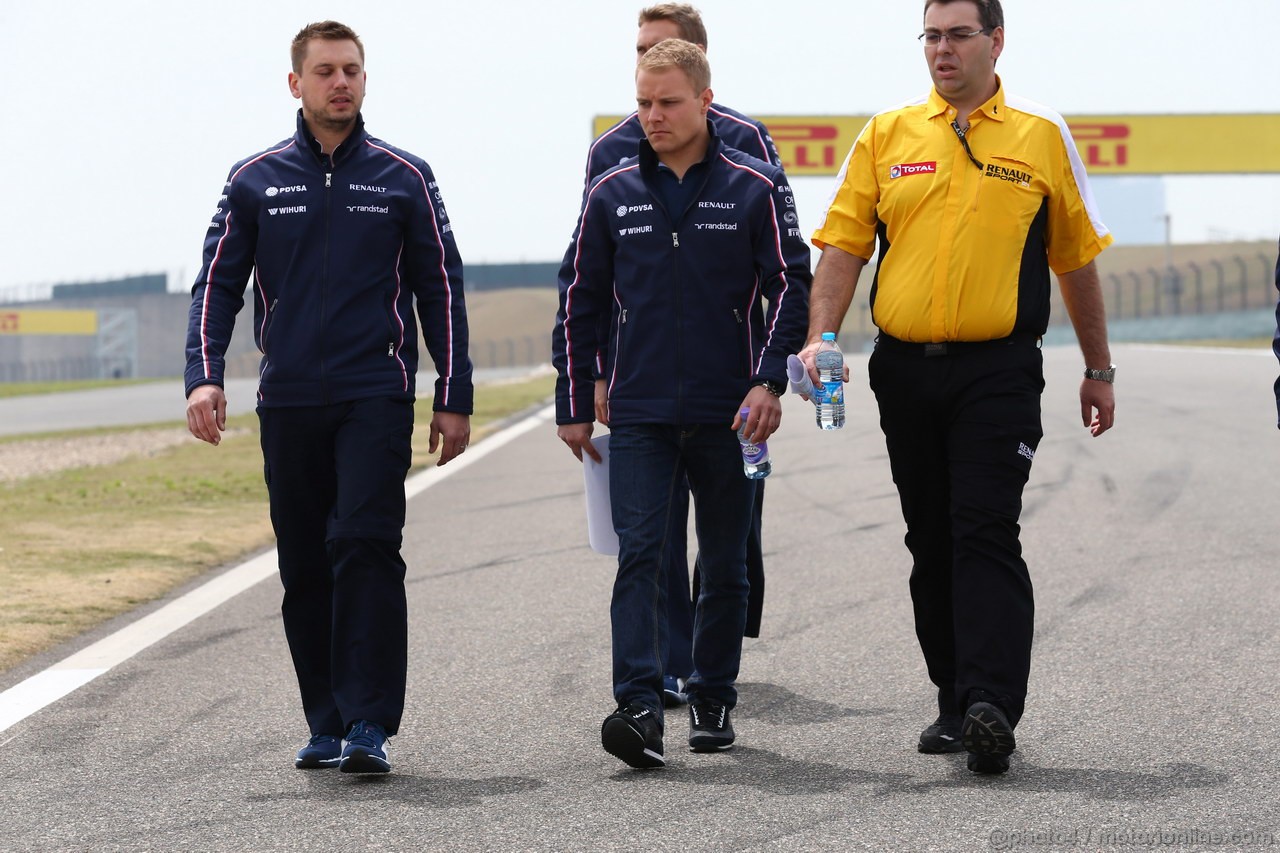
(681, 605)
(649, 465)
(335, 477)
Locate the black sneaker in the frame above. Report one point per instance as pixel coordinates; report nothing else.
(943, 735)
(634, 734)
(988, 737)
(709, 726)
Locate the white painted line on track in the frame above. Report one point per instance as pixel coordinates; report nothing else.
(73, 672)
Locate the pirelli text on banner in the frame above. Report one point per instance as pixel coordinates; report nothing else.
(1108, 144)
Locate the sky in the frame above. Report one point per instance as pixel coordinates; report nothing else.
(124, 118)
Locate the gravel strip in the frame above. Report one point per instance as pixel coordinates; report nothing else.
(22, 459)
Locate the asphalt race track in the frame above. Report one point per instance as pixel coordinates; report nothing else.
(1155, 694)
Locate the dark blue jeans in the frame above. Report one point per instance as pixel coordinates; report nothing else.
(648, 467)
(680, 604)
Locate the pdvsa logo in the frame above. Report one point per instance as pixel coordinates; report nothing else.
(623, 210)
(903, 170)
(275, 191)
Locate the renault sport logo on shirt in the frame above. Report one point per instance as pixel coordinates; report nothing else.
(902, 170)
(1005, 173)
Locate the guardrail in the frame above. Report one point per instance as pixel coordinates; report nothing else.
(1233, 283)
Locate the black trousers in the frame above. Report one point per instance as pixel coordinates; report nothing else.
(335, 476)
(962, 423)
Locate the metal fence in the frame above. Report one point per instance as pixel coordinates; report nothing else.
(511, 352)
(1236, 283)
(60, 369)
(1216, 286)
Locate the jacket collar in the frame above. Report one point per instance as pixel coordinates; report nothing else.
(305, 140)
(649, 158)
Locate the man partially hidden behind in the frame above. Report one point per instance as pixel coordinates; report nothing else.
(672, 253)
(342, 234)
(974, 195)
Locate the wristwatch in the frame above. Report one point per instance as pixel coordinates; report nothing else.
(1108, 375)
(777, 389)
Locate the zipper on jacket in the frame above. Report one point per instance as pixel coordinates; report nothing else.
(675, 239)
(266, 322)
(266, 327)
(324, 282)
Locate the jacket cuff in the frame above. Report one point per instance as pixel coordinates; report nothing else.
(460, 399)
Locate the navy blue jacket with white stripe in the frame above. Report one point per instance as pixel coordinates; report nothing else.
(621, 142)
(682, 290)
(339, 248)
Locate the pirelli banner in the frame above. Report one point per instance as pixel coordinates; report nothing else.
(1109, 145)
(48, 322)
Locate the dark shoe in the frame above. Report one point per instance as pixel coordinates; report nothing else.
(943, 735)
(992, 764)
(321, 751)
(634, 734)
(988, 738)
(709, 726)
(365, 749)
(673, 691)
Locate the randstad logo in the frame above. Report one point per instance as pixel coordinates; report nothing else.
(902, 170)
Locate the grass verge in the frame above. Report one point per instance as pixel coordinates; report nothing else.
(26, 389)
(86, 544)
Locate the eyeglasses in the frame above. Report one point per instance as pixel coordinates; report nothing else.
(957, 36)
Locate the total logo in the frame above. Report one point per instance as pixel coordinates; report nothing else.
(903, 170)
(275, 191)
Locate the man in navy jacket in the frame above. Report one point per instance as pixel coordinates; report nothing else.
(342, 233)
(676, 247)
(619, 143)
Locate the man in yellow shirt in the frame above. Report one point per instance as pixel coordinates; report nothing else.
(973, 195)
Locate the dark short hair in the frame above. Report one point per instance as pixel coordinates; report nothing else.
(989, 11)
(327, 30)
(686, 18)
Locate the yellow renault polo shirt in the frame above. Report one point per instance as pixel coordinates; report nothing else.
(965, 250)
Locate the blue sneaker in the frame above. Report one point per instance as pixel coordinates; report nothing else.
(321, 751)
(364, 750)
(673, 691)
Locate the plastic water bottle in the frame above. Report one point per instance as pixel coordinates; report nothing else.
(755, 457)
(829, 392)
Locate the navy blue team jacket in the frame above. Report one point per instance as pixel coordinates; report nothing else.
(682, 292)
(339, 248)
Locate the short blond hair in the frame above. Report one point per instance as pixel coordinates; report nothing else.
(678, 53)
(687, 19)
